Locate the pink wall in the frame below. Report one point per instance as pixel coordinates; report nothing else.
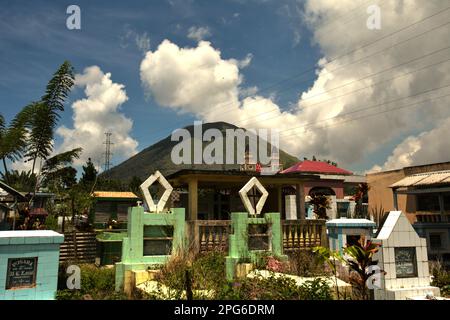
(337, 186)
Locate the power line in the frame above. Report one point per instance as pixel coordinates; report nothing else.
(352, 51)
(358, 80)
(349, 52)
(365, 116)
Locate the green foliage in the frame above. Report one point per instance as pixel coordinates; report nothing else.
(206, 272)
(305, 263)
(135, 184)
(275, 288)
(89, 175)
(441, 278)
(321, 203)
(45, 113)
(56, 172)
(23, 181)
(96, 282)
(317, 289)
(51, 222)
(360, 258)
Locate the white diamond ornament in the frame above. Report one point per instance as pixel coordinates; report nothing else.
(152, 206)
(243, 193)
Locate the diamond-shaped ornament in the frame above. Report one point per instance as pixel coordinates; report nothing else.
(243, 193)
(157, 176)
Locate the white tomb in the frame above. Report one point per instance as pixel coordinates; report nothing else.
(404, 259)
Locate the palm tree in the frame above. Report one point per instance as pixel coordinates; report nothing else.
(45, 113)
(13, 138)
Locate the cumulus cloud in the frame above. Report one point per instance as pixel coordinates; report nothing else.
(427, 147)
(344, 115)
(96, 114)
(198, 33)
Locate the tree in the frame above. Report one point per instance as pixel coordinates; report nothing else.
(45, 113)
(321, 203)
(13, 138)
(57, 172)
(89, 175)
(135, 184)
(20, 180)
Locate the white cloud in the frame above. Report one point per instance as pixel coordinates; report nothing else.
(200, 81)
(427, 147)
(198, 33)
(96, 114)
(141, 41)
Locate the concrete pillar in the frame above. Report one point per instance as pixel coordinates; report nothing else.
(291, 207)
(193, 199)
(300, 197)
(394, 191)
(279, 200)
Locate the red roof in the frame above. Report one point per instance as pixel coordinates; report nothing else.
(315, 167)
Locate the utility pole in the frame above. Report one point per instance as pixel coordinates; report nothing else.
(108, 153)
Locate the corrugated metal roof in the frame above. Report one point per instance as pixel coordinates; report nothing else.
(114, 194)
(424, 179)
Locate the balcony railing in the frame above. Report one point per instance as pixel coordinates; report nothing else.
(432, 218)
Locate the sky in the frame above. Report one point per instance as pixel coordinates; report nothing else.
(367, 98)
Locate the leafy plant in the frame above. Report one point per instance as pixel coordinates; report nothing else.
(97, 283)
(317, 289)
(330, 258)
(359, 259)
(441, 278)
(321, 203)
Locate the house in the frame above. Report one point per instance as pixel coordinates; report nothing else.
(9, 198)
(423, 193)
(213, 194)
(337, 183)
(111, 205)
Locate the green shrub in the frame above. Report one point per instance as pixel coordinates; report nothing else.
(441, 278)
(317, 289)
(97, 283)
(260, 288)
(305, 263)
(206, 271)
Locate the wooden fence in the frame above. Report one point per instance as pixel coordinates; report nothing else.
(79, 247)
(207, 235)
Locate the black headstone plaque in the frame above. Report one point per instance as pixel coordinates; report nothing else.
(21, 273)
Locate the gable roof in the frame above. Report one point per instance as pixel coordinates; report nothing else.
(396, 221)
(316, 167)
(10, 190)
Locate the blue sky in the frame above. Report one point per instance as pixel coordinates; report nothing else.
(34, 41)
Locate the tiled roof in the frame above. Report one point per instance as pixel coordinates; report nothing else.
(316, 167)
(114, 194)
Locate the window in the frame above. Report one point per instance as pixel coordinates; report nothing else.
(428, 202)
(158, 240)
(435, 241)
(446, 201)
(258, 237)
(405, 262)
